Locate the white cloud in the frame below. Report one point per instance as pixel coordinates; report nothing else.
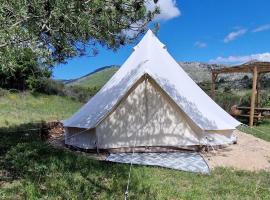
(261, 28)
(200, 45)
(242, 59)
(235, 34)
(168, 9)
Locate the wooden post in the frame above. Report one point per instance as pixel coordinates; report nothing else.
(213, 85)
(253, 96)
(258, 90)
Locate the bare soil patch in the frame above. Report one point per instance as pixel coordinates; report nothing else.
(250, 153)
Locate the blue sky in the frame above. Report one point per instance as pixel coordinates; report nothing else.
(217, 31)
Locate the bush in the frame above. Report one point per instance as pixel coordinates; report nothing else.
(265, 98)
(3, 92)
(227, 99)
(53, 87)
(25, 73)
(79, 93)
(245, 99)
(221, 80)
(205, 86)
(48, 86)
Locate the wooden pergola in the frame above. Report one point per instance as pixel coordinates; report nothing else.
(254, 67)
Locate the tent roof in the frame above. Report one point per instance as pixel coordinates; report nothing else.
(151, 57)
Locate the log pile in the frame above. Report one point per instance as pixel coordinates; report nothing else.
(52, 130)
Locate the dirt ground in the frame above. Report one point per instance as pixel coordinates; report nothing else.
(250, 153)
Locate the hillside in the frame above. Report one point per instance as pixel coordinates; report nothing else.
(95, 79)
(24, 107)
(198, 71)
(201, 72)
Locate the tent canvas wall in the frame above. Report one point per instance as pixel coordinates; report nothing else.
(149, 102)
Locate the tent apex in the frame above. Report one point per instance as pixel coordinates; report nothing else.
(149, 41)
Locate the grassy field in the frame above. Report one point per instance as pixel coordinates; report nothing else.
(21, 108)
(32, 169)
(35, 170)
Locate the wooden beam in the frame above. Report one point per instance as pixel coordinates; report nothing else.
(237, 69)
(263, 67)
(256, 109)
(253, 96)
(213, 85)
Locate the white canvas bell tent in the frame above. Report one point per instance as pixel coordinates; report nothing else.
(150, 102)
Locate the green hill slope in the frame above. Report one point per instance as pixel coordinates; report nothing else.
(20, 108)
(95, 79)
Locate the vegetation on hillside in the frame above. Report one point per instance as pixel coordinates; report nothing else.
(97, 79)
(26, 107)
(84, 88)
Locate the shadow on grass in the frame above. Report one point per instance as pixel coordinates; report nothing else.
(12, 135)
(44, 171)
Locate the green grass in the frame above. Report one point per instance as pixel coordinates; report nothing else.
(19, 108)
(32, 169)
(35, 170)
(97, 79)
(264, 127)
(261, 130)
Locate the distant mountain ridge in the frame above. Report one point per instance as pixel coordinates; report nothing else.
(198, 71)
(70, 81)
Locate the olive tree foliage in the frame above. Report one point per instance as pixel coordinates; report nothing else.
(37, 34)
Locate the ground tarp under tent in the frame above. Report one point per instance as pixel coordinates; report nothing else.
(185, 161)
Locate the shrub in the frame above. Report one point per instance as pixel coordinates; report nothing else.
(245, 99)
(221, 80)
(79, 93)
(3, 92)
(48, 86)
(25, 73)
(265, 98)
(227, 99)
(205, 86)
